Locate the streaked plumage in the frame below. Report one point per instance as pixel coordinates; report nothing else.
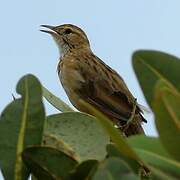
(84, 76)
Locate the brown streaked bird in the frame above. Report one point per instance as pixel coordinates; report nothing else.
(84, 76)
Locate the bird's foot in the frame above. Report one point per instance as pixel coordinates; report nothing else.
(131, 118)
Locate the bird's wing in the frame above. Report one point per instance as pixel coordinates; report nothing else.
(106, 90)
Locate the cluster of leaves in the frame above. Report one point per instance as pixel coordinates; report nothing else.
(73, 145)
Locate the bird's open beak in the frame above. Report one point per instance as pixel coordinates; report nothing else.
(50, 29)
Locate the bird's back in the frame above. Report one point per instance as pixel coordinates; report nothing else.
(84, 76)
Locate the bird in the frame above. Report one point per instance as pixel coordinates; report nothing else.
(86, 77)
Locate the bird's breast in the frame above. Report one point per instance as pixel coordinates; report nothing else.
(70, 76)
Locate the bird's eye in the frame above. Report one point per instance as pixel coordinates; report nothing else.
(68, 31)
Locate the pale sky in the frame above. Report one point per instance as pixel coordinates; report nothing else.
(115, 29)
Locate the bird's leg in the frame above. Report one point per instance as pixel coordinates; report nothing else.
(132, 112)
(125, 127)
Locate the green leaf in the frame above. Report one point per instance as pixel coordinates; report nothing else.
(151, 144)
(53, 141)
(84, 170)
(168, 166)
(115, 134)
(48, 163)
(21, 124)
(55, 101)
(152, 152)
(81, 132)
(166, 107)
(150, 66)
(114, 169)
(114, 152)
(160, 175)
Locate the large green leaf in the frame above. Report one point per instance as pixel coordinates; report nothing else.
(150, 66)
(81, 132)
(152, 151)
(114, 152)
(21, 124)
(160, 175)
(84, 170)
(166, 107)
(53, 141)
(166, 165)
(151, 144)
(116, 136)
(114, 169)
(47, 163)
(55, 101)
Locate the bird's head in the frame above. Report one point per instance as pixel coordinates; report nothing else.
(67, 37)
